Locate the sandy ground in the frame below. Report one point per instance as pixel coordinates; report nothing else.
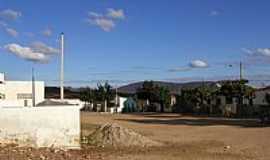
(189, 137)
(185, 138)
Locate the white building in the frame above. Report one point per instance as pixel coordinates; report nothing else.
(19, 93)
(121, 101)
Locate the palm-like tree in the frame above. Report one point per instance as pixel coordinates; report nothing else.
(105, 93)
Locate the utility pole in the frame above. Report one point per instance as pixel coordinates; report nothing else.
(116, 95)
(62, 68)
(116, 98)
(241, 71)
(33, 89)
(241, 84)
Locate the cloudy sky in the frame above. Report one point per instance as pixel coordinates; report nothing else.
(126, 40)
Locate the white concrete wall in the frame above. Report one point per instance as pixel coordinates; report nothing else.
(121, 104)
(11, 89)
(53, 126)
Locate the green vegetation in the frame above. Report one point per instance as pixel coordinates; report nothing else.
(154, 94)
(103, 93)
(227, 98)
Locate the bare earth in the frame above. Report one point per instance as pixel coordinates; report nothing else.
(185, 138)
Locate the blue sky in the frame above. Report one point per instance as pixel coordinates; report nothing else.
(124, 40)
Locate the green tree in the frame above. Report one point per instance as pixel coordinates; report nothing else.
(163, 97)
(87, 95)
(237, 89)
(267, 98)
(105, 93)
(196, 99)
(154, 93)
(147, 91)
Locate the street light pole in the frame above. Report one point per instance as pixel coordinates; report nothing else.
(62, 68)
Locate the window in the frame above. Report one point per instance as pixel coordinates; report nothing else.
(24, 96)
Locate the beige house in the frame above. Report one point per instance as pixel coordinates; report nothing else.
(19, 93)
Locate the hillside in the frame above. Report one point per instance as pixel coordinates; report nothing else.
(174, 88)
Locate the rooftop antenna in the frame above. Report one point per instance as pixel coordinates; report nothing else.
(62, 68)
(33, 89)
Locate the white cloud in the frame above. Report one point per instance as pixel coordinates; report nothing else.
(25, 53)
(47, 32)
(105, 21)
(248, 51)
(43, 48)
(10, 14)
(95, 15)
(37, 52)
(263, 51)
(198, 64)
(12, 32)
(192, 65)
(116, 14)
(258, 51)
(215, 13)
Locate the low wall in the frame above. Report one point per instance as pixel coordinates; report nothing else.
(52, 126)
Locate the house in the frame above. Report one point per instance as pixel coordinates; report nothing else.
(20, 93)
(120, 103)
(260, 96)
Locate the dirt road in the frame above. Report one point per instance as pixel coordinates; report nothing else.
(193, 137)
(185, 138)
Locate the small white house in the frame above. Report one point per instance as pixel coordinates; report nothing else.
(121, 104)
(19, 93)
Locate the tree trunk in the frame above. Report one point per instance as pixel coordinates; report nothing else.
(162, 107)
(105, 106)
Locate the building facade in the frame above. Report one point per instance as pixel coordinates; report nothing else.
(260, 96)
(19, 93)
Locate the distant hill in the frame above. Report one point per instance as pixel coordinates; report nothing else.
(54, 92)
(175, 88)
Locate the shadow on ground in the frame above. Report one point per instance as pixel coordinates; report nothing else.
(195, 121)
